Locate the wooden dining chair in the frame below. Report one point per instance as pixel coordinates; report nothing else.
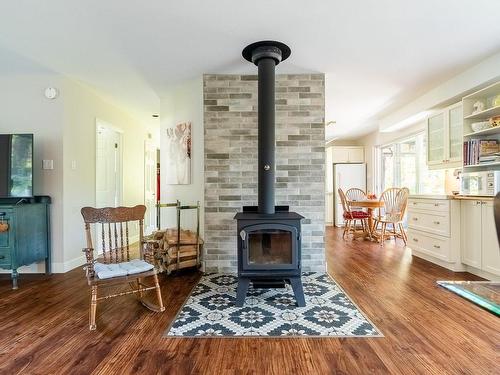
(350, 216)
(395, 201)
(116, 266)
(355, 194)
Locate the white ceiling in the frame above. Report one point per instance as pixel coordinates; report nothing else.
(377, 54)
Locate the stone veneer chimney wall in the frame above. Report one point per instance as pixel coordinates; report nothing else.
(230, 122)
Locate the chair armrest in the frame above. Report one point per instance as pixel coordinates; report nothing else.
(89, 266)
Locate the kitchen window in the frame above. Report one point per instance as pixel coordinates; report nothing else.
(403, 163)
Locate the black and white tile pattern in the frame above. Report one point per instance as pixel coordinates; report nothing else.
(210, 311)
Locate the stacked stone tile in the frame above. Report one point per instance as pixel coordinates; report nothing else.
(230, 121)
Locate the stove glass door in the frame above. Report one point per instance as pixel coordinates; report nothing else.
(270, 246)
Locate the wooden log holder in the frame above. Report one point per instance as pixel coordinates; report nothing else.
(177, 248)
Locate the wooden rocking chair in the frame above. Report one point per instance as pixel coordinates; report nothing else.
(116, 266)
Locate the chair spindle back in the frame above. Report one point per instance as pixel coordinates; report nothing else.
(343, 199)
(355, 194)
(114, 230)
(395, 202)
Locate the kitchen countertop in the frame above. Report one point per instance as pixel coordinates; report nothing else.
(474, 197)
(446, 197)
(431, 196)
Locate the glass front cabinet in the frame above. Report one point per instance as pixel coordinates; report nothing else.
(444, 138)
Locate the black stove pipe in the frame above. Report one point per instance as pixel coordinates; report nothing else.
(266, 55)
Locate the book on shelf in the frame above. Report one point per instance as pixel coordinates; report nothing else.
(478, 151)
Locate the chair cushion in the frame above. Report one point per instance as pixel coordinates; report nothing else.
(356, 215)
(106, 271)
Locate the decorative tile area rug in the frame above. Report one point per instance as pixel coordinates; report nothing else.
(210, 311)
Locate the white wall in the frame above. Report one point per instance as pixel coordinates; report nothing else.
(82, 106)
(182, 104)
(64, 131)
(24, 109)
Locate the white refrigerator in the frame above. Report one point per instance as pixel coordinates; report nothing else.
(346, 176)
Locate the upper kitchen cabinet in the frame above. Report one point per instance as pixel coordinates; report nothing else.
(481, 114)
(348, 154)
(444, 138)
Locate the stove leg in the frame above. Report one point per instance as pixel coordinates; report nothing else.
(297, 291)
(241, 292)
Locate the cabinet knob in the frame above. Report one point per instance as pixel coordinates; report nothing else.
(437, 222)
(415, 239)
(436, 204)
(437, 246)
(415, 218)
(2, 256)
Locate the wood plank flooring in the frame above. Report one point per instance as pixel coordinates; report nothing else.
(428, 330)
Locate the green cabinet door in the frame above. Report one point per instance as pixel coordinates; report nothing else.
(6, 239)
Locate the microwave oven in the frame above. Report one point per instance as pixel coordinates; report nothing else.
(480, 183)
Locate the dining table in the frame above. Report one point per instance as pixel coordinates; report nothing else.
(370, 205)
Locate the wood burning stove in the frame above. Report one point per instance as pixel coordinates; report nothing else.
(269, 251)
(269, 237)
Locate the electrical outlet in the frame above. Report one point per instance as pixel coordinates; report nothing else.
(48, 164)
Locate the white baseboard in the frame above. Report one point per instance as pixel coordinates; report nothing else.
(32, 268)
(57, 267)
(63, 267)
(452, 266)
(484, 274)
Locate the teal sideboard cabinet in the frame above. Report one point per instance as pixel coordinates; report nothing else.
(27, 239)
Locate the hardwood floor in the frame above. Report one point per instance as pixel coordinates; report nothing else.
(428, 330)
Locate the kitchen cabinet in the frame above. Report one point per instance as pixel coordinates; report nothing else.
(348, 154)
(470, 214)
(490, 260)
(27, 238)
(478, 235)
(444, 138)
(434, 230)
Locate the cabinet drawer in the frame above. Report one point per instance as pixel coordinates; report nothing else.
(5, 257)
(429, 205)
(436, 246)
(429, 222)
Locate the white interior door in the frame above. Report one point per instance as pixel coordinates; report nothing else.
(109, 164)
(150, 161)
(108, 167)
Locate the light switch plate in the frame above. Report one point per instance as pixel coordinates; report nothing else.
(73, 164)
(48, 164)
